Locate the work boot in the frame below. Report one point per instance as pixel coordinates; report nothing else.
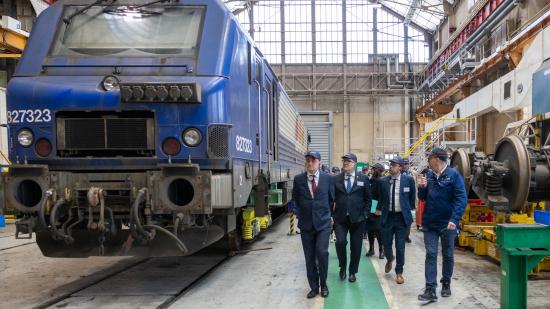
(428, 296)
(370, 252)
(446, 289)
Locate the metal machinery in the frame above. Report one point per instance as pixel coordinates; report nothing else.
(508, 186)
(127, 138)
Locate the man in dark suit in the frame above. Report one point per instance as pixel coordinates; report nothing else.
(313, 194)
(353, 202)
(397, 195)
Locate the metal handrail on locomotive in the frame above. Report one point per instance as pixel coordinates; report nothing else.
(145, 128)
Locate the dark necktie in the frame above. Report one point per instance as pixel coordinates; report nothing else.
(313, 184)
(393, 195)
(348, 189)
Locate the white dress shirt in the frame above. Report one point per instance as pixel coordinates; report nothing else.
(309, 181)
(437, 175)
(397, 190)
(352, 175)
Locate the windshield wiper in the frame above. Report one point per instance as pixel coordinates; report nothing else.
(68, 19)
(135, 9)
(148, 4)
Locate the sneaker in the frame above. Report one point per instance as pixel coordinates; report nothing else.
(428, 296)
(446, 289)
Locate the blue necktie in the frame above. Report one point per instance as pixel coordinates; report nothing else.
(348, 189)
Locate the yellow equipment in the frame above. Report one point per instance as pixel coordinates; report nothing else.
(481, 236)
(12, 38)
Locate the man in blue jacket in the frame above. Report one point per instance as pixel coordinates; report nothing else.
(313, 195)
(445, 196)
(397, 196)
(352, 205)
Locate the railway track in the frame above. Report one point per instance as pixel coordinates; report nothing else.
(147, 282)
(158, 281)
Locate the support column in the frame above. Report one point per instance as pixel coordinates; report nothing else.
(251, 19)
(345, 98)
(375, 31)
(313, 57)
(408, 70)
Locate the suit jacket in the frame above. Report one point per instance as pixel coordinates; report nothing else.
(407, 197)
(314, 213)
(357, 203)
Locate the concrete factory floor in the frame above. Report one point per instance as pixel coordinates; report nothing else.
(272, 277)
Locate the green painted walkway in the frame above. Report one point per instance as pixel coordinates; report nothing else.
(365, 293)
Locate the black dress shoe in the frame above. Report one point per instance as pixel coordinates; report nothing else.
(352, 278)
(342, 274)
(370, 252)
(324, 292)
(408, 240)
(312, 293)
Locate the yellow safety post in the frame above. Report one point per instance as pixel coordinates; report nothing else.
(292, 231)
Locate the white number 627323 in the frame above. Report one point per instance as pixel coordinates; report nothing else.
(29, 115)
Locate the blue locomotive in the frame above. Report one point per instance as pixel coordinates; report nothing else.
(146, 128)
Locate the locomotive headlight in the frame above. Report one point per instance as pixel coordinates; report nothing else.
(110, 83)
(25, 137)
(192, 137)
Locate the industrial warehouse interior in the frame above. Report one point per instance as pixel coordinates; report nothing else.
(275, 154)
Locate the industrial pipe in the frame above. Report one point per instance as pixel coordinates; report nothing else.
(53, 214)
(135, 214)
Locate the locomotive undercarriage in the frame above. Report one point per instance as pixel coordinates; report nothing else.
(175, 210)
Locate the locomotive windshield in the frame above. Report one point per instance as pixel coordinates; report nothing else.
(127, 31)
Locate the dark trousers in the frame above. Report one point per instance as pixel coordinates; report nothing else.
(395, 227)
(431, 241)
(377, 234)
(356, 231)
(315, 244)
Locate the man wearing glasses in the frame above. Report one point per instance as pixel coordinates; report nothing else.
(313, 194)
(352, 204)
(445, 196)
(397, 195)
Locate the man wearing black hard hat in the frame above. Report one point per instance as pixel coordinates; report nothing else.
(443, 190)
(313, 194)
(352, 204)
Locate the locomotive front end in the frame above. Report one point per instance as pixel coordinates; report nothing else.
(119, 143)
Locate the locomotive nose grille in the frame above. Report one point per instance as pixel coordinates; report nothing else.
(218, 141)
(84, 134)
(102, 137)
(127, 133)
